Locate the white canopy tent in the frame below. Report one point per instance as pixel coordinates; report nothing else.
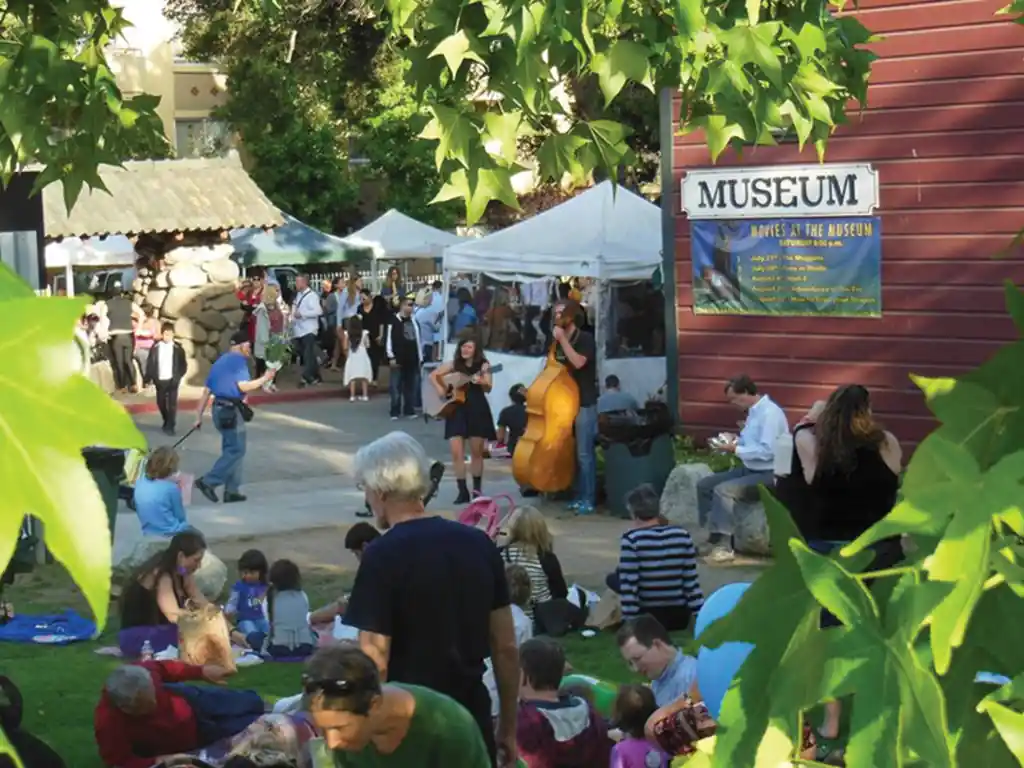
(607, 233)
(71, 252)
(397, 237)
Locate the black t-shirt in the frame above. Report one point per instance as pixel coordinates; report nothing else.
(119, 313)
(513, 418)
(430, 585)
(586, 377)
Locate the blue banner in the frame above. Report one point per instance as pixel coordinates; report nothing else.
(788, 267)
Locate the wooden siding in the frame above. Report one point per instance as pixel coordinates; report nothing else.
(943, 127)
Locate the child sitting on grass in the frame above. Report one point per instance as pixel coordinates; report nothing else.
(519, 599)
(247, 604)
(634, 705)
(290, 634)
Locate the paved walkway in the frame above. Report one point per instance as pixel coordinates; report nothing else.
(301, 498)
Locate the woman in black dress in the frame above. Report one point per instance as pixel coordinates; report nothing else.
(373, 312)
(472, 419)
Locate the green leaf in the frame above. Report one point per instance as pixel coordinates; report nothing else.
(503, 130)
(457, 48)
(967, 410)
(556, 156)
(12, 286)
(478, 188)
(1010, 725)
(689, 17)
(1015, 305)
(6, 748)
(753, 11)
(846, 598)
(607, 144)
(755, 44)
(719, 132)
(625, 61)
(48, 414)
(454, 132)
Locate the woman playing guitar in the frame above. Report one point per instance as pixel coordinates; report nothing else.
(470, 420)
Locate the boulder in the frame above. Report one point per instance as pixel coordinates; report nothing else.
(189, 347)
(679, 499)
(155, 299)
(185, 328)
(221, 270)
(161, 281)
(181, 301)
(750, 535)
(211, 577)
(210, 352)
(213, 320)
(220, 289)
(234, 317)
(187, 276)
(212, 337)
(225, 302)
(138, 285)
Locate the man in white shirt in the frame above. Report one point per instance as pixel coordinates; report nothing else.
(718, 494)
(306, 312)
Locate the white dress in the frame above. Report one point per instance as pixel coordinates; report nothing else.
(357, 366)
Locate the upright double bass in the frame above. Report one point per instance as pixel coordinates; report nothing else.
(545, 457)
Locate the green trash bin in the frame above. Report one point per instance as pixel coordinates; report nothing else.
(637, 449)
(107, 468)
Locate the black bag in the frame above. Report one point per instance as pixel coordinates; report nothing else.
(559, 616)
(34, 753)
(246, 411)
(225, 418)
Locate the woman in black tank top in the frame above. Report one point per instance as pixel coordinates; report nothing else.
(851, 467)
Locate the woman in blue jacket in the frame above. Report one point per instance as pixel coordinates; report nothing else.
(158, 501)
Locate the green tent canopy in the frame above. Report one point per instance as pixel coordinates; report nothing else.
(292, 244)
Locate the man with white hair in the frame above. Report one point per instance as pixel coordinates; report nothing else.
(143, 715)
(430, 599)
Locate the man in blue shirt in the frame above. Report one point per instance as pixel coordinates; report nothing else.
(227, 384)
(718, 494)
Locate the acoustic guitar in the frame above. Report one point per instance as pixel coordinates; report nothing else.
(456, 384)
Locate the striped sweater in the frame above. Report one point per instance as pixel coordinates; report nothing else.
(658, 569)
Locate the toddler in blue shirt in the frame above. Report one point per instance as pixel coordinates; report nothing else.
(248, 601)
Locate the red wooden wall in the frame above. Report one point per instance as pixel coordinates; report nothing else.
(944, 128)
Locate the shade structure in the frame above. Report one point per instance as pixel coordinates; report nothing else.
(92, 252)
(397, 236)
(606, 232)
(292, 243)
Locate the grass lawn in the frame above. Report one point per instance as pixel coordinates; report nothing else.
(61, 685)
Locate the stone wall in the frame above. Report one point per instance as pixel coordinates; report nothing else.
(195, 290)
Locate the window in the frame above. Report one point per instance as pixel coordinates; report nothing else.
(202, 138)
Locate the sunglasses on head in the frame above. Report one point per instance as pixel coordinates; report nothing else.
(314, 685)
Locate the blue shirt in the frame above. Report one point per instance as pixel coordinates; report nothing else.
(230, 370)
(159, 507)
(248, 601)
(677, 680)
(465, 318)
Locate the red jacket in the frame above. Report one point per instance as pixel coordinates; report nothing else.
(133, 742)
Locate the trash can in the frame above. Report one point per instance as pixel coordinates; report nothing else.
(107, 467)
(637, 449)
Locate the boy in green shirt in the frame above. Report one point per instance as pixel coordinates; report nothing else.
(365, 724)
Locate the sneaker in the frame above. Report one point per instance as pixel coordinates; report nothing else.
(230, 497)
(394, 418)
(364, 398)
(572, 506)
(720, 555)
(412, 416)
(584, 509)
(201, 486)
(352, 398)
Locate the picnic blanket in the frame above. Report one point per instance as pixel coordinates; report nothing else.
(51, 629)
(274, 739)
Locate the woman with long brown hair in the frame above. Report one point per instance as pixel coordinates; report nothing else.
(471, 420)
(348, 306)
(851, 465)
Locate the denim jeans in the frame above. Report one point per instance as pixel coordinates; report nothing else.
(402, 389)
(220, 713)
(310, 365)
(718, 494)
(227, 470)
(255, 632)
(586, 458)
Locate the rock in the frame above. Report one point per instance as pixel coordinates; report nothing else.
(214, 290)
(234, 318)
(199, 254)
(211, 576)
(185, 328)
(221, 270)
(212, 337)
(210, 352)
(187, 276)
(138, 285)
(141, 552)
(189, 347)
(212, 320)
(224, 303)
(161, 280)
(144, 272)
(180, 301)
(155, 299)
(750, 535)
(679, 499)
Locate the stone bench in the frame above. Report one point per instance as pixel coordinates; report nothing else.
(679, 506)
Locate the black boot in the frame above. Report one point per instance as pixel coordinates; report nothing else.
(463, 497)
(477, 484)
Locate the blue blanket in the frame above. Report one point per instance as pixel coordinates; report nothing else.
(57, 629)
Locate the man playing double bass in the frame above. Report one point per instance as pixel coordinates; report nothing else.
(576, 348)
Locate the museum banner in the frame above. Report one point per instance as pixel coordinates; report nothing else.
(819, 266)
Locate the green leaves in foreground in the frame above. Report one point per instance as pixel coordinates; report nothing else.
(746, 72)
(48, 414)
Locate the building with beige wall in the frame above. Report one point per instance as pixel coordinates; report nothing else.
(148, 60)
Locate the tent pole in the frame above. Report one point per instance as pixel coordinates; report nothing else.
(69, 276)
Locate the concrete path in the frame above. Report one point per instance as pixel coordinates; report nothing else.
(301, 497)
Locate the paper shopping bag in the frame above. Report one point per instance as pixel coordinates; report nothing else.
(606, 613)
(203, 638)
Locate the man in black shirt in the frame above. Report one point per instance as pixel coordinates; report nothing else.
(577, 349)
(405, 355)
(512, 419)
(122, 314)
(430, 599)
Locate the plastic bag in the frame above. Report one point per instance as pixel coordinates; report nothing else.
(203, 638)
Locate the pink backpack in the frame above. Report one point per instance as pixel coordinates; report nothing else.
(485, 513)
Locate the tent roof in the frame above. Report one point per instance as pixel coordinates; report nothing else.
(111, 251)
(606, 232)
(291, 243)
(397, 236)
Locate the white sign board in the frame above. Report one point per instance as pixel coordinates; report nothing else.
(781, 191)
